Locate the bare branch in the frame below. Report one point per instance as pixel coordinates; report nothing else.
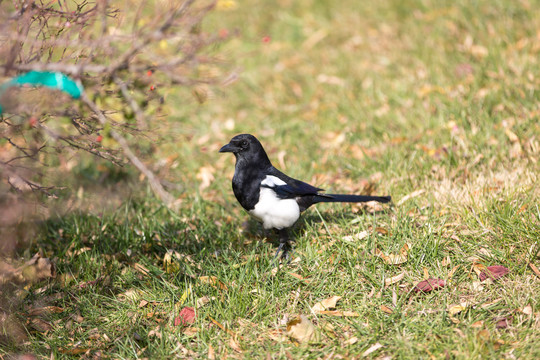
(120, 67)
(141, 118)
(154, 182)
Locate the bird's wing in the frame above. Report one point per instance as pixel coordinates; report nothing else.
(286, 187)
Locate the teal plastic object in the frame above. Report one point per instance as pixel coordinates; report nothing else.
(54, 80)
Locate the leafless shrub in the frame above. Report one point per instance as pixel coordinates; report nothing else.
(123, 53)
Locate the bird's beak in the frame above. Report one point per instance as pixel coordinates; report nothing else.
(227, 148)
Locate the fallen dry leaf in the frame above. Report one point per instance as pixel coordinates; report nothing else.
(493, 272)
(200, 93)
(410, 196)
(130, 294)
(426, 273)
(277, 335)
(452, 272)
(511, 136)
(326, 246)
(370, 207)
(204, 300)
(212, 280)
(477, 286)
(190, 331)
(235, 345)
(185, 317)
(491, 304)
(34, 270)
(486, 253)
(483, 335)
(339, 313)
(527, 310)
(211, 353)
(497, 343)
(298, 276)
(394, 279)
(429, 285)
(155, 332)
(371, 349)
(326, 304)
(360, 236)
(477, 267)
(78, 251)
(74, 350)
(94, 334)
(534, 269)
(220, 325)
(386, 309)
(38, 268)
(40, 324)
(45, 310)
(504, 322)
(141, 268)
(351, 341)
(394, 259)
(455, 309)
(170, 262)
(91, 282)
(206, 176)
(302, 330)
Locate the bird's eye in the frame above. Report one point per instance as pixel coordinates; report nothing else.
(244, 143)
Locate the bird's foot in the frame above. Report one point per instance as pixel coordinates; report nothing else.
(284, 248)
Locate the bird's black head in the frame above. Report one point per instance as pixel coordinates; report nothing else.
(246, 147)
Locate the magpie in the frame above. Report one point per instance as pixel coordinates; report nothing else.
(272, 197)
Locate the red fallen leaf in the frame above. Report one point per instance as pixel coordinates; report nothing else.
(186, 316)
(504, 322)
(429, 285)
(493, 272)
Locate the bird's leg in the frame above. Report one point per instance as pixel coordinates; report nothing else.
(284, 245)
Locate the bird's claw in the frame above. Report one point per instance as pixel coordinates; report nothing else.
(284, 248)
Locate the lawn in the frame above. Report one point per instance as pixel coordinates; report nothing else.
(435, 103)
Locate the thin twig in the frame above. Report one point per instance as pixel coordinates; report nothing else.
(154, 182)
(139, 115)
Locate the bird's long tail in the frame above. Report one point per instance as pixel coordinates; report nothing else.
(349, 198)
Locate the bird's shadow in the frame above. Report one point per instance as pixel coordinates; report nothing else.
(311, 218)
(196, 240)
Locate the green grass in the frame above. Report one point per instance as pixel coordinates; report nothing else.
(433, 95)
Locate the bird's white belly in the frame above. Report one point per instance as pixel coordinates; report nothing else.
(275, 212)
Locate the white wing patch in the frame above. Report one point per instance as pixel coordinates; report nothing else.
(272, 181)
(272, 211)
